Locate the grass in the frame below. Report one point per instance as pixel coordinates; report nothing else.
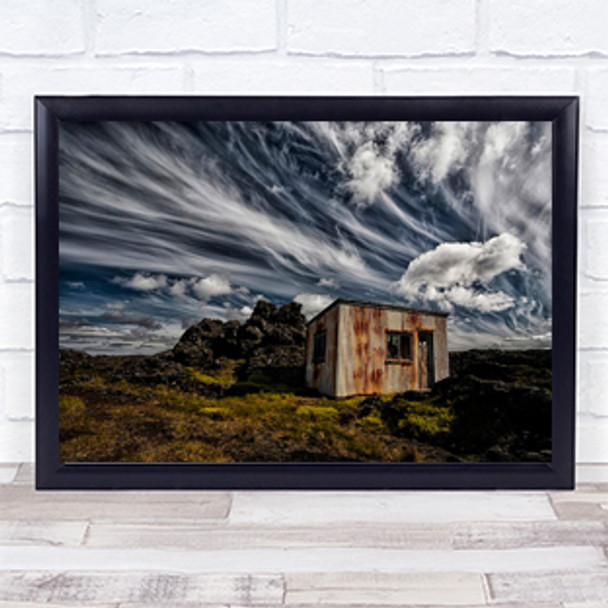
(224, 375)
(122, 422)
(221, 419)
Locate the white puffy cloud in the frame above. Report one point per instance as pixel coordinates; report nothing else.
(457, 274)
(313, 303)
(143, 282)
(179, 288)
(211, 286)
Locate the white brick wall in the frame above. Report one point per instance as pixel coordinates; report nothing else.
(298, 46)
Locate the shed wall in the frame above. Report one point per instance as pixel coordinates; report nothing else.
(322, 376)
(363, 368)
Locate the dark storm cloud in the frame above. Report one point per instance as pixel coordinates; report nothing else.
(189, 220)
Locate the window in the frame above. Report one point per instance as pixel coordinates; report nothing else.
(398, 346)
(318, 353)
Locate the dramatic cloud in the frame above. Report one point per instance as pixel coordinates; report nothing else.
(143, 282)
(445, 151)
(203, 218)
(509, 179)
(457, 273)
(179, 288)
(210, 287)
(368, 153)
(372, 174)
(312, 304)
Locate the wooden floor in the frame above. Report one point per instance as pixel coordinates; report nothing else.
(187, 549)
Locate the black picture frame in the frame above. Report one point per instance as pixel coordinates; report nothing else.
(561, 111)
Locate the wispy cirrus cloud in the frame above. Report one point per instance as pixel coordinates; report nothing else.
(204, 218)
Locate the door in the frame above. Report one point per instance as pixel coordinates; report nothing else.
(426, 368)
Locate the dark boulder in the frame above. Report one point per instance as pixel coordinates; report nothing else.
(271, 342)
(203, 343)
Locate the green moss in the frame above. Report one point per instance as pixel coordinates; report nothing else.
(70, 405)
(217, 413)
(424, 420)
(372, 422)
(223, 376)
(317, 413)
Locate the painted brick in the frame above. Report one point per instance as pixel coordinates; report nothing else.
(593, 315)
(16, 109)
(41, 27)
(259, 77)
(596, 99)
(16, 315)
(593, 384)
(16, 441)
(479, 80)
(548, 27)
(595, 247)
(17, 385)
(16, 160)
(381, 27)
(594, 177)
(17, 236)
(591, 444)
(158, 26)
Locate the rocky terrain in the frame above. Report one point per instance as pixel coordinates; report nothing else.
(232, 392)
(270, 342)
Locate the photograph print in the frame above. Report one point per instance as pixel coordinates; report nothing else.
(234, 292)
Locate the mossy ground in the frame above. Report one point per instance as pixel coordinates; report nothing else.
(257, 420)
(103, 421)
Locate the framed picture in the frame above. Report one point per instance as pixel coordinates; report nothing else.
(305, 292)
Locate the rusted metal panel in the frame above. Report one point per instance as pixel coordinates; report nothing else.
(357, 360)
(322, 375)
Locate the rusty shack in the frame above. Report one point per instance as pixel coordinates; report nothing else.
(362, 348)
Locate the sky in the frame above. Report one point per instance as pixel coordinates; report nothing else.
(164, 224)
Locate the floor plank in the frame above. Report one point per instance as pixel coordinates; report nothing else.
(375, 588)
(565, 586)
(588, 497)
(95, 588)
(304, 549)
(55, 533)
(580, 511)
(214, 536)
(22, 502)
(300, 560)
(517, 535)
(293, 508)
(14, 604)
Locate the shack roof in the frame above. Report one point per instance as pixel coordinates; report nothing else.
(383, 305)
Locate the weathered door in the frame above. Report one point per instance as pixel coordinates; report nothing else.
(426, 369)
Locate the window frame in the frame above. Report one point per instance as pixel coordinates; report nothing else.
(316, 339)
(400, 333)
